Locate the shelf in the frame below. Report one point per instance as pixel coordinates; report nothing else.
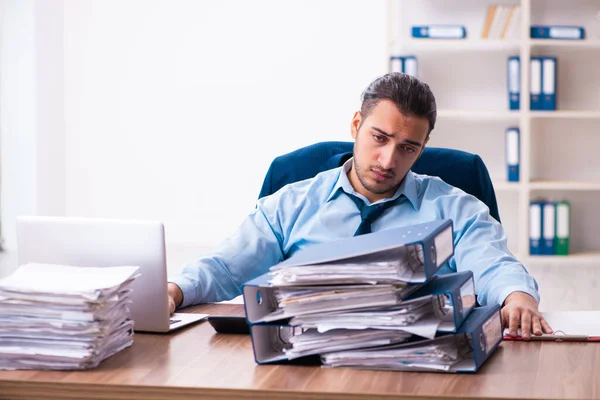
(573, 114)
(505, 186)
(457, 44)
(565, 43)
(479, 114)
(575, 258)
(564, 185)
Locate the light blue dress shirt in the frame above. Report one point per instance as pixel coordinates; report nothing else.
(315, 211)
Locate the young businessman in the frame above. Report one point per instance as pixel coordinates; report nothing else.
(391, 130)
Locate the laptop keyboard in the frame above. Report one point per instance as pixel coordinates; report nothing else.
(174, 321)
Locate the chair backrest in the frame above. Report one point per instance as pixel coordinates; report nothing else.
(463, 170)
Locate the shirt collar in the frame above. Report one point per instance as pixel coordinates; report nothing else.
(408, 187)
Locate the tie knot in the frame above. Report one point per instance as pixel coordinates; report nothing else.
(371, 213)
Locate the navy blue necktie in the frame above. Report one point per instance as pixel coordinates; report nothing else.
(368, 214)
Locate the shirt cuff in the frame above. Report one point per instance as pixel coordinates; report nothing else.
(187, 288)
(511, 289)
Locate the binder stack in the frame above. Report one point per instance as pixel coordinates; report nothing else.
(549, 227)
(377, 293)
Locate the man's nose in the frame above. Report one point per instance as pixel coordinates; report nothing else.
(387, 157)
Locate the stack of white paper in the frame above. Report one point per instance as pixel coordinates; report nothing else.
(438, 354)
(300, 300)
(312, 342)
(396, 266)
(64, 317)
(413, 316)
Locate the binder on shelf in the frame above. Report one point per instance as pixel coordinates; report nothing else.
(513, 153)
(548, 228)
(535, 87)
(514, 83)
(557, 32)
(405, 64)
(463, 351)
(548, 83)
(535, 227)
(563, 228)
(439, 31)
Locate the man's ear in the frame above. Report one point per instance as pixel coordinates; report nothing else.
(356, 121)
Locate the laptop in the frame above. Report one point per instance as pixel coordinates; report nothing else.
(90, 242)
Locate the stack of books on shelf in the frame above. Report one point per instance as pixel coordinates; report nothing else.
(543, 83)
(502, 22)
(64, 317)
(373, 302)
(549, 227)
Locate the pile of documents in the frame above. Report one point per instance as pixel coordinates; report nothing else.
(373, 301)
(64, 317)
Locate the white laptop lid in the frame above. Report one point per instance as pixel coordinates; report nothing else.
(88, 242)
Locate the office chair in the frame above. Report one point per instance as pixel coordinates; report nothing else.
(463, 170)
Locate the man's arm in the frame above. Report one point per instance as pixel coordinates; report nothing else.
(248, 253)
(481, 246)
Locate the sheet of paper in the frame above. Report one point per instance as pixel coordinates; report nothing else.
(578, 323)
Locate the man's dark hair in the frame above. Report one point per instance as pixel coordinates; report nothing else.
(409, 94)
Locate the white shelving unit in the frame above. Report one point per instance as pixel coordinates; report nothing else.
(468, 77)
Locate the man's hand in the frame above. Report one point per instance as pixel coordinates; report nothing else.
(175, 297)
(522, 309)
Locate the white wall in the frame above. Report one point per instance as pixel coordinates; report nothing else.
(174, 109)
(17, 108)
(32, 145)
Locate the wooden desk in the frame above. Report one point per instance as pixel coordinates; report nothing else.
(196, 363)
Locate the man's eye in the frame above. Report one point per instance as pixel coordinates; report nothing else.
(378, 138)
(408, 149)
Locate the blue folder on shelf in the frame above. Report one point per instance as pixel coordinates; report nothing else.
(557, 32)
(549, 81)
(535, 227)
(439, 31)
(513, 153)
(514, 83)
(535, 84)
(548, 228)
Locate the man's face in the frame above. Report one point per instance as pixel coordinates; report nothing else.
(387, 144)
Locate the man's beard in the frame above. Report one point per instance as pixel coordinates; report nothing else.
(361, 173)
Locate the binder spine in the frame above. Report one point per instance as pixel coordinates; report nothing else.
(396, 64)
(549, 71)
(513, 153)
(557, 32)
(486, 337)
(535, 227)
(535, 87)
(548, 228)
(514, 83)
(439, 32)
(563, 228)
(437, 249)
